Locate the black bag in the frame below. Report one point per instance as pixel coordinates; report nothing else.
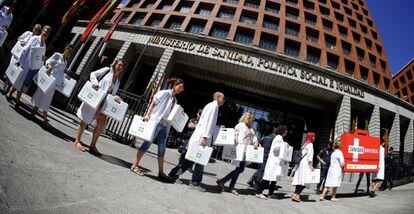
(297, 156)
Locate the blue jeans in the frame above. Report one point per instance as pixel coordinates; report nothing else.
(197, 174)
(184, 165)
(29, 77)
(160, 136)
(234, 175)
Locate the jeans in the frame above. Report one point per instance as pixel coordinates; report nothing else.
(234, 175)
(197, 174)
(29, 77)
(361, 175)
(160, 136)
(183, 166)
(264, 184)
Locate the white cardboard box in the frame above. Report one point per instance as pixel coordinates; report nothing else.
(3, 36)
(113, 109)
(198, 154)
(36, 57)
(90, 96)
(66, 87)
(225, 137)
(285, 152)
(254, 155)
(17, 50)
(14, 73)
(178, 118)
(233, 153)
(313, 177)
(43, 80)
(141, 129)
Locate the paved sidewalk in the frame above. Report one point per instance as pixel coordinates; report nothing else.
(41, 172)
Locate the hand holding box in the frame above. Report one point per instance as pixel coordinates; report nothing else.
(178, 118)
(225, 137)
(113, 109)
(90, 96)
(141, 129)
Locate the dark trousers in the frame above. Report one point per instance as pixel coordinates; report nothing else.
(368, 175)
(324, 173)
(258, 175)
(387, 179)
(234, 175)
(264, 184)
(299, 189)
(184, 165)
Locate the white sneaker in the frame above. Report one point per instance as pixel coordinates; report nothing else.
(261, 196)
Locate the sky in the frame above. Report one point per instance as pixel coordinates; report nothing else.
(395, 22)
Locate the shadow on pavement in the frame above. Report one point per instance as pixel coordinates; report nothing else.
(305, 198)
(114, 160)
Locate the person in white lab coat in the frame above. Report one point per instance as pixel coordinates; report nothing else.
(334, 176)
(107, 80)
(22, 39)
(6, 16)
(202, 135)
(378, 177)
(244, 135)
(306, 163)
(269, 180)
(159, 110)
(35, 41)
(56, 66)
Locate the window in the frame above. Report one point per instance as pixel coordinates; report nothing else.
(196, 27)
(357, 37)
(359, 17)
(372, 60)
(165, 5)
(339, 17)
(379, 48)
(292, 28)
(133, 3)
(324, 11)
(411, 86)
(204, 10)
(137, 19)
(293, 2)
(364, 29)
(330, 41)
(355, 6)
(231, 1)
(292, 48)
(348, 11)
(124, 18)
(386, 83)
(364, 73)
(226, 13)
(244, 36)
(368, 43)
(175, 22)
(184, 7)
(308, 5)
(220, 31)
(252, 3)
(310, 18)
(370, 23)
(396, 86)
(349, 67)
(272, 7)
(345, 2)
(148, 4)
(270, 22)
(322, 1)
(332, 61)
(292, 12)
(346, 48)
(365, 12)
(352, 23)
(335, 5)
(313, 55)
(377, 78)
(374, 34)
(327, 25)
(268, 42)
(361, 54)
(343, 31)
(410, 76)
(248, 18)
(402, 79)
(312, 35)
(383, 65)
(155, 20)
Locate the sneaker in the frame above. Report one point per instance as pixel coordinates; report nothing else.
(197, 187)
(261, 196)
(220, 185)
(178, 181)
(250, 183)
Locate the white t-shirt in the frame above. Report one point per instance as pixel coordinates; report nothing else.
(163, 102)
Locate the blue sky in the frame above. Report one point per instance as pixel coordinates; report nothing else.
(395, 21)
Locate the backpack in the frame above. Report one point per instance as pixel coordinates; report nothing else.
(297, 156)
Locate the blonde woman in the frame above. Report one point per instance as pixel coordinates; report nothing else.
(244, 135)
(334, 177)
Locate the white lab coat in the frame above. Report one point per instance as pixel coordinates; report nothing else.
(58, 65)
(85, 112)
(206, 124)
(245, 136)
(334, 176)
(34, 41)
(22, 39)
(5, 18)
(380, 174)
(163, 102)
(273, 160)
(300, 174)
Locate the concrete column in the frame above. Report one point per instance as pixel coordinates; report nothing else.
(409, 138)
(394, 139)
(122, 52)
(72, 42)
(84, 63)
(374, 126)
(343, 119)
(162, 70)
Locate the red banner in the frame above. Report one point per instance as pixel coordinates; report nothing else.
(361, 152)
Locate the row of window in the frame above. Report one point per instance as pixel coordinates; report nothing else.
(408, 77)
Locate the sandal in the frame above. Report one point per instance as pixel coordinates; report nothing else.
(295, 198)
(79, 147)
(135, 169)
(334, 199)
(321, 199)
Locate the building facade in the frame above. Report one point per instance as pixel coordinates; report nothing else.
(317, 65)
(403, 83)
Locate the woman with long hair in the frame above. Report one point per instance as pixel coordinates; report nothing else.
(334, 176)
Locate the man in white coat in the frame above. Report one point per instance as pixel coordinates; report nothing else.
(202, 135)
